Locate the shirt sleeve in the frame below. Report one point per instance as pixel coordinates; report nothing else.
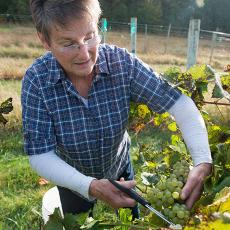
(54, 169)
(38, 129)
(149, 88)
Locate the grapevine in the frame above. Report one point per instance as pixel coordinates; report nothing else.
(162, 173)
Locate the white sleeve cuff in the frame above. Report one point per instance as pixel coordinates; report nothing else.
(193, 129)
(54, 169)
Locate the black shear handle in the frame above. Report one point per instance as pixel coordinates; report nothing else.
(131, 192)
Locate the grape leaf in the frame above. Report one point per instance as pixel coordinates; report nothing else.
(217, 93)
(202, 86)
(2, 119)
(70, 221)
(175, 139)
(172, 74)
(91, 224)
(55, 221)
(6, 106)
(199, 72)
(149, 178)
(172, 127)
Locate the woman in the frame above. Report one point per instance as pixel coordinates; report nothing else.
(75, 101)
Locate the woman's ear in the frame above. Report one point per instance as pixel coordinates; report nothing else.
(43, 41)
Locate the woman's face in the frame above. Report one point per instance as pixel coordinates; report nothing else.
(75, 46)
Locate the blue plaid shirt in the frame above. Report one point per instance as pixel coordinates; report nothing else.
(92, 138)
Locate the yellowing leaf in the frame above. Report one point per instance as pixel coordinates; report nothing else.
(172, 127)
(142, 110)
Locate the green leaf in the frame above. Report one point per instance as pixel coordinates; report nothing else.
(6, 106)
(224, 183)
(172, 127)
(2, 119)
(70, 222)
(216, 93)
(199, 72)
(203, 86)
(91, 224)
(53, 226)
(81, 218)
(149, 178)
(175, 139)
(172, 74)
(55, 221)
(125, 217)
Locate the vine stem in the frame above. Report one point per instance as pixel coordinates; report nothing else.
(216, 103)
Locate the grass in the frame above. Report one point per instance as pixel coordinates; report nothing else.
(20, 193)
(19, 46)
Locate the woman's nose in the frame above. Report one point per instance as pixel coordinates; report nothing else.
(83, 51)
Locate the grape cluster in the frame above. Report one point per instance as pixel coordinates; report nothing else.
(178, 213)
(165, 195)
(181, 170)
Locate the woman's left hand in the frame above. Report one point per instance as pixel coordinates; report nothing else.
(193, 188)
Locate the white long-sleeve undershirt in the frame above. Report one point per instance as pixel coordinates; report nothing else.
(189, 121)
(54, 169)
(193, 129)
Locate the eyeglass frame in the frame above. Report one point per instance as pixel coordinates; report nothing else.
(94, 40)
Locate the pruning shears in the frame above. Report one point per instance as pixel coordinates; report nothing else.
(134, 195)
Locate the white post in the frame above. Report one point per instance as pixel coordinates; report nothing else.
(193, 42)
(133, 31)
(167, 39)
(213, 44)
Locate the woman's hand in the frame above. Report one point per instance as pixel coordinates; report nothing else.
(194, 185)
(108, 193)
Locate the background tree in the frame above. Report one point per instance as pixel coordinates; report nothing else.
(216, 14)
(212, 13)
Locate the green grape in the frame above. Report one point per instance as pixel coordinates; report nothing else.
(171, 214)
(164, 200)
(176, 195)
(180, 214)
(170, 200)
(173, 176)
(159, 204)
(159, 195)
(175, 220)
(174, 182)
(167, 193)
(161, 186)
(166, 211)
(183, 206)
(179, 184)
(178, 190)
(175, 208)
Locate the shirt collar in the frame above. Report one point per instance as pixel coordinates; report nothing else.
(101, 64)
(55, 70)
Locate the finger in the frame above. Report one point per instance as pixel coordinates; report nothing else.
(127, 201)
(189, 186)
(194, 196)
(122, 179)
(128, 183)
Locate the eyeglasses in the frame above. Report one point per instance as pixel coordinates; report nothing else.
(90, 43)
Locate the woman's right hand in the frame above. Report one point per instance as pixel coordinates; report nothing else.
(108, 193)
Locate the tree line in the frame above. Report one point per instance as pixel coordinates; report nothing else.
(213, 14)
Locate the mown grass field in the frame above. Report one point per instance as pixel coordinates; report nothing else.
(20, 191)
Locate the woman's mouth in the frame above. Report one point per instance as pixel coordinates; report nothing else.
(83, 63)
